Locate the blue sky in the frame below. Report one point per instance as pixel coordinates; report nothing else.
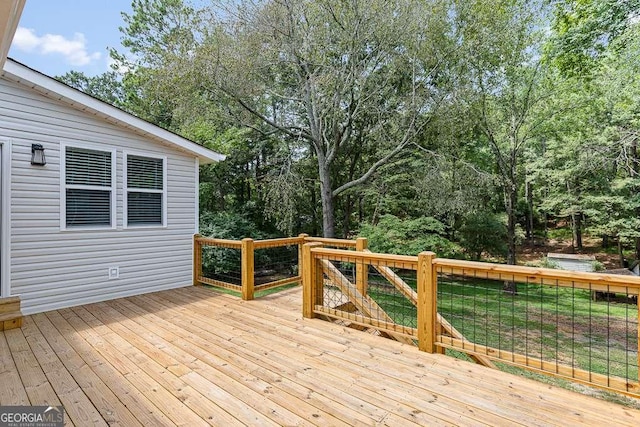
(54, 37)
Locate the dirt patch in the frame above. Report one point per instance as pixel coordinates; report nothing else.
(613, 332)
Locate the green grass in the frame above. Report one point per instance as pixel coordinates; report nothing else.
(266, 292)
(256, 295)
(550, 323)
(554, 324)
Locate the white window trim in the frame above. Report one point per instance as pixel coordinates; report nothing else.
(125, 193)
(64, 186)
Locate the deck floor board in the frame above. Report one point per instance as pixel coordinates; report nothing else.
(294, 358)
(192, 356)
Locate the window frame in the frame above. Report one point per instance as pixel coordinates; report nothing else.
(126, 189)
(64, 186)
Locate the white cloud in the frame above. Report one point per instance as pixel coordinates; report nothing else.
(73, 50)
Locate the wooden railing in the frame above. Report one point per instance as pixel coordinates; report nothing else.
(240, 272)
(550, 324)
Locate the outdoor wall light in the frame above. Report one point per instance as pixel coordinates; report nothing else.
(37, 155)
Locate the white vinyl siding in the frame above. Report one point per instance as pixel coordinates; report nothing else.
(53, 269)
(145, 198)
(89, 196)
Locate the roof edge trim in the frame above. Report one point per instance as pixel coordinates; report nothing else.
(20, 73)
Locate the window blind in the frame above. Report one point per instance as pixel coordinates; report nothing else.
(144, 173)
(144, 208)
(145, 190)
(88, 178)
(88, 167)
(88, 207)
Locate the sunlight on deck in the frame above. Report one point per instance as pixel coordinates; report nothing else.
(194, 357)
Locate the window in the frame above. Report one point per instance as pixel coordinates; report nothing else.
(145, 191)
(88, 188)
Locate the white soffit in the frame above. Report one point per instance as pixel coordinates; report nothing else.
(10, 11)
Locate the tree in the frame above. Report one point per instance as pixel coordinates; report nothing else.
(409, 236)
(483, 233)
(330, 76)
(583, 30)
(502, 48)
(594, 169)
(107, 87)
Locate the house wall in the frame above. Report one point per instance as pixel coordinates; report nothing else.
(52, 269)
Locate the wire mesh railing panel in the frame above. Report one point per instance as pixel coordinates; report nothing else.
(389, 293)
(564, 328)
(221, 264)
(275, 265)
(375, 294)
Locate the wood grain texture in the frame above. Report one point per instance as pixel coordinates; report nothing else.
(192, 356)
(248, 276)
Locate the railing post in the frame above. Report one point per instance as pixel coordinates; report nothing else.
(300, 245)
(427, 302)
(247, 266)
(309, 278)
(197, 260)
(362, 269)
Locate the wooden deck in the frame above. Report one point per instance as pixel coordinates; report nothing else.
(195, 357)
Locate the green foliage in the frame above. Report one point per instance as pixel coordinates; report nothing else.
(226, 225)
(483, 233)
(409, 236)
(435, 112)
(585, 29)
(545, 263)
(230, 225)
(107, 87)
(597, 266)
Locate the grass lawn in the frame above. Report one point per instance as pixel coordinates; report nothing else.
(560, 325)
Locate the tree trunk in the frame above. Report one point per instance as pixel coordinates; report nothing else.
(326, 196)
(576, 222)
(529, 192)
(314, 211)
(620, 254)
(347, 216)
(605, 242)
(635, 171)
(511, 199)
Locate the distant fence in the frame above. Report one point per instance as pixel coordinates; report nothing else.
(548, 322)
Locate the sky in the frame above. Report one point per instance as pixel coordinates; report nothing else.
(54, 37)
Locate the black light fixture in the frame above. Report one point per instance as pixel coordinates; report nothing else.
(37, 155)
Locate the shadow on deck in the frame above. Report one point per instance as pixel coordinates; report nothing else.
(192, 356)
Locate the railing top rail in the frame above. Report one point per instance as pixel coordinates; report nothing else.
(273, 243)
(532, 274)
(400, 261)
(221, 242)
(341, 243)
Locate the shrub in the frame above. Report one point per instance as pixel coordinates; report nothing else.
(483, 232)
(226, 225)
(545, 263)
(409, 236)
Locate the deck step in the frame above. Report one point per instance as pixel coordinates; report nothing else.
(10, 314)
